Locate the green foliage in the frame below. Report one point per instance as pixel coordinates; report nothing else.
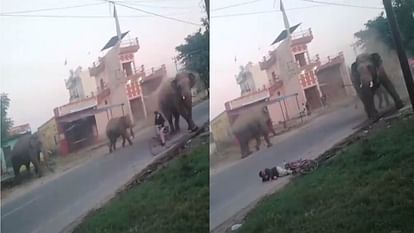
(174, 200)
(194, 53)
(367, 188)
(378, 29)
(6, 122)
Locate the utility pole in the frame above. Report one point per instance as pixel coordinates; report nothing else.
(409, 83)
(118, 28)
(207, 4)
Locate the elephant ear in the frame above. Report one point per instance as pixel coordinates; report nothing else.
(376, 59)
(192, 78)
(174, 83)
(354, 70)
(355, 75)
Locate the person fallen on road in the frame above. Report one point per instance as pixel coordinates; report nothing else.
(159, 126)
(273, 173)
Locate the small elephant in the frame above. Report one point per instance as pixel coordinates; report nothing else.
(118, 127)
(368, 74)
(175, 100)
(27, 150)
(251, 125)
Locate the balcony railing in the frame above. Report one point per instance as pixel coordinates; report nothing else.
(129, 46)
(304, 36)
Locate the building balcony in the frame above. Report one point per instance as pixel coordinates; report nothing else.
(330, 62)
(302, 37)
(129, 46)
(97, 67)
(268, 61)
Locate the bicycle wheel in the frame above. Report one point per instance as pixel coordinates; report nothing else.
(308, 167)
(154, 146)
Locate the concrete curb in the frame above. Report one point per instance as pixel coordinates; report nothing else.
(164, 156)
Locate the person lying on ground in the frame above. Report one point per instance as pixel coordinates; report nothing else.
(273, 173)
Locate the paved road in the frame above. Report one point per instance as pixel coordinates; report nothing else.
(52, 206)
(238, 185)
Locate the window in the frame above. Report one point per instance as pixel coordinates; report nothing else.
(300, 58)
(54, 137)
(127, 68)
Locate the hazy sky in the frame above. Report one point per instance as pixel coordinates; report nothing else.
(248, 37)
(33, 50)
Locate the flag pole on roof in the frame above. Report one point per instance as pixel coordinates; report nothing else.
(118, 28)
(285, 19)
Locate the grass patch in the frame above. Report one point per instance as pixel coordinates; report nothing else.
(175, 199)
(368, 188)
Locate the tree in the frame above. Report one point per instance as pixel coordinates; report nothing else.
(194, 53)
(6, 122)
(378, 29)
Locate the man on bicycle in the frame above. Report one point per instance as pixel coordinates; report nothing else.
(159, 126)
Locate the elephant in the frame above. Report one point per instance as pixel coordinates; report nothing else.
(249, 126)
(118, 127)
(175, 100)
(27, 150)
(367, 75)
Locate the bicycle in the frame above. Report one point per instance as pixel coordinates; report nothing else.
(154, 142)
(302, 166)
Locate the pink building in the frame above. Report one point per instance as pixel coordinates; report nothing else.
(291, 79)
(121, 90)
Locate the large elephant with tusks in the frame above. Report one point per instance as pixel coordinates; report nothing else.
(175, 100)
(118, 127)
(368, 75)
(251, 125)
(26, 150)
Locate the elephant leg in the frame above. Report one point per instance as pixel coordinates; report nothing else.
(170, 122)
(177, 121)
(123, 140)
(244, 147)
(110, 146)
(367, 98)
(16, 167)
(38, 170)
(258, 142)
(266, 138)
(193, 127)
(128, 139)
(114, 143)
(386, 82)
